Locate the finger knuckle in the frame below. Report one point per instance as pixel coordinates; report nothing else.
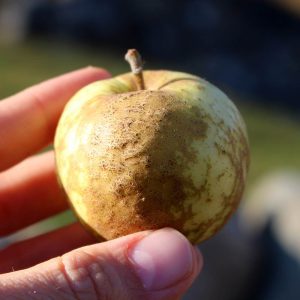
(86, 278)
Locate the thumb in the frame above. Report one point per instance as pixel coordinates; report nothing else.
(147, 265)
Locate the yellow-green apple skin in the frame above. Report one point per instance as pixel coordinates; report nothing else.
(175, 155)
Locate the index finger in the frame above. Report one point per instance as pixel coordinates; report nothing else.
(28, 119)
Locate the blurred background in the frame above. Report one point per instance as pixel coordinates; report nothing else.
(250, 49)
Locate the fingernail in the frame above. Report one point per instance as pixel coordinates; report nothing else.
(162, 258)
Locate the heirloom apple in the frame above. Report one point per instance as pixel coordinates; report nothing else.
(152, 149)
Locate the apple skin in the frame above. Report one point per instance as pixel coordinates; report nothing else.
(175, 154)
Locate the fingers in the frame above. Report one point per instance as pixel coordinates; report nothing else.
(146, 265)
(30, 252)
(29, 192)
(28, 119)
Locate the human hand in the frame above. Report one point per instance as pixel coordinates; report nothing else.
(151, 264)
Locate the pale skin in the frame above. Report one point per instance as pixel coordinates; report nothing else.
(69, 263)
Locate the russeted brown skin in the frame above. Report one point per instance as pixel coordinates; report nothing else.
(160, 157)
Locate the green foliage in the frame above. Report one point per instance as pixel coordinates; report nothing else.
(30, 63)
(274, 140)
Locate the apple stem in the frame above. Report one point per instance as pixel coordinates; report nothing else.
(136, 64)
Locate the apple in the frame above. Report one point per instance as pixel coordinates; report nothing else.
(152, 149)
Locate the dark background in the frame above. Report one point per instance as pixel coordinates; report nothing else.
(250, 46)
